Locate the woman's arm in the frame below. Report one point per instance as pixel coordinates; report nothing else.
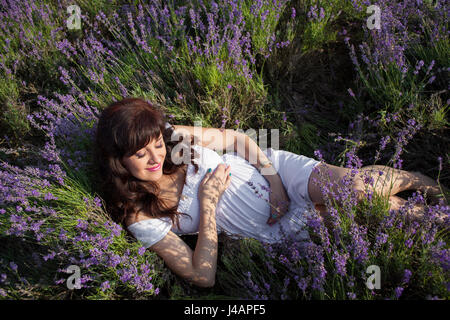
(205, 254)
(248, 149)
(230, 140)
(199, 266)
(279, 199)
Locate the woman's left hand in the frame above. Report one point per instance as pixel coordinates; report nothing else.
(279, 201)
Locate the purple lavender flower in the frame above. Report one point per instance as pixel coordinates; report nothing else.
(141, 251)
(105, 285)
(430, 67)
(398, 292)
(351, 282)
(359, 245)
(97, 202)
(350, 91)
(303, 284)
(441, 257)
(13, 266)
(50, 196)
(322, 13)
(406, 276)
(82, 224)
(340, 262)
(383, 142)
(380, 239)
(409, 243)
(50, 256)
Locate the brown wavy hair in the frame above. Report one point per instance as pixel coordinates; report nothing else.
(124, 127)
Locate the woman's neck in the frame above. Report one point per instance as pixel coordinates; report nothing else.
(170, 190)
(168, 180)
(172, 186)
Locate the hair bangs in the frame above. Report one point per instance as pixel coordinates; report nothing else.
(144, 129)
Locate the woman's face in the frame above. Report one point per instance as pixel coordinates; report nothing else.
(147, 163)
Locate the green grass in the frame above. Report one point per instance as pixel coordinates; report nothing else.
(302, 70)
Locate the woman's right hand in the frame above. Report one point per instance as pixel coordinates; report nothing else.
(214, 184)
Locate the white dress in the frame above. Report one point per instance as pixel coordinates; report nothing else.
(243, 208)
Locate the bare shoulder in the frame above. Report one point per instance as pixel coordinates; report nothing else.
(136, 216)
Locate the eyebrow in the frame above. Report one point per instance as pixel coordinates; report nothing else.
(156, 141)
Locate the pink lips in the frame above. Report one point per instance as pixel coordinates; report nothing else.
(154, 168)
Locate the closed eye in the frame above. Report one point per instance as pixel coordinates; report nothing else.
(158, 146)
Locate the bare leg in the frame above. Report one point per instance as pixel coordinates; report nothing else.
(433, 189)
(325, 215)
(417, 212)
(390, 182)
(393, 181)
(395, 203)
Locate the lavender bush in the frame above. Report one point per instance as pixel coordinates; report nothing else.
(180, 58)
(49, 208)
(411, 254)
(400, 62)
(210, 60)
(28, 54)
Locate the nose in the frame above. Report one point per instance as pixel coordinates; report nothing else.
(155, 158)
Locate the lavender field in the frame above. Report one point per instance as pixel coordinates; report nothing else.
(339, 87)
